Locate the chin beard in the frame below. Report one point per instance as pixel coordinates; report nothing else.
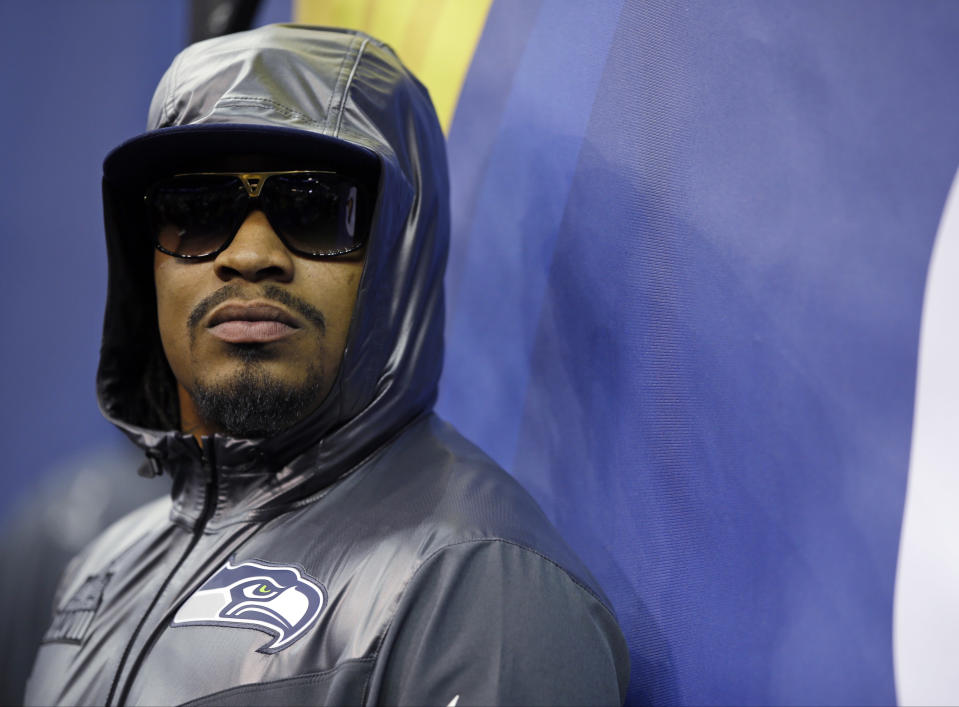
(254, 404)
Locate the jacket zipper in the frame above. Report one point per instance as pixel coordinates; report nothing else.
(208, 459)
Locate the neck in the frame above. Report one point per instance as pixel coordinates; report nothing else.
(190, 420)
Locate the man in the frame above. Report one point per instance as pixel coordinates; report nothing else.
(273, 341)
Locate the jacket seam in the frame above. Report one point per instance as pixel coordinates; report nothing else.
(347, 55)
(168, 111)
(582, 585)
(279, 107)
(349, 84)
(303, 677)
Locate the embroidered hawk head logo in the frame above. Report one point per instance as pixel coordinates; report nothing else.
(280, 600)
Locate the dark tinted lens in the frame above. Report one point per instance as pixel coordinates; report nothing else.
(194, 215)
(315, 213)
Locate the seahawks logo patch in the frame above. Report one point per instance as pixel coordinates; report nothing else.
(280, 600)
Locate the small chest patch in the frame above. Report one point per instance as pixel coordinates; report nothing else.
(280, 600)
(72, 621)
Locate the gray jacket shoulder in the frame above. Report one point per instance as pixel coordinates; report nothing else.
(491, 622)
(472, 580)
(432, 488)
(111, 543)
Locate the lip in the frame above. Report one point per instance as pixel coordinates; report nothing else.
(251, 323)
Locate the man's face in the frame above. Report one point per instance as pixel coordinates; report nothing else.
(255, 335)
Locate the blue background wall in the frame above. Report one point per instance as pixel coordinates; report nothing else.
(685, 298)
(77, 78)
(690, 246)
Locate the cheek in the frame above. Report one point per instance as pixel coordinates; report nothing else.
(338, 284)
(172, 298)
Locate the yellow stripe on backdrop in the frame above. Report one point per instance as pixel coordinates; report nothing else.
(434, 38)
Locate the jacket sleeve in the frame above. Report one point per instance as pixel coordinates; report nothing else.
(491, 623)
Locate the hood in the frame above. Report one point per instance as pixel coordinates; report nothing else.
(304, 96)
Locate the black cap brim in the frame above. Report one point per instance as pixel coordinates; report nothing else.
(224, 146)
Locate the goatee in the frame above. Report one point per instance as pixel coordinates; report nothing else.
(253, 404)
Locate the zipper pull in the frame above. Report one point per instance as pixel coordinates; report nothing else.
(151, 468)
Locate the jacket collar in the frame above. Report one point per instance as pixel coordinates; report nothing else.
(227, 480)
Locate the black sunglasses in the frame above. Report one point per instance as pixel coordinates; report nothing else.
(314, 213)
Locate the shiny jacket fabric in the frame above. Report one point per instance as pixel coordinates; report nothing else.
(439, 579)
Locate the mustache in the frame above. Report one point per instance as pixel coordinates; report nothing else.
(268, 292)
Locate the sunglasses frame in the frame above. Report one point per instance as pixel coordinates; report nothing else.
(253, 182)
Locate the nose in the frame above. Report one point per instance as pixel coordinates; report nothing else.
(256, 253)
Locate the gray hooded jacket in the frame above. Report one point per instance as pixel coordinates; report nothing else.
(369, 554)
